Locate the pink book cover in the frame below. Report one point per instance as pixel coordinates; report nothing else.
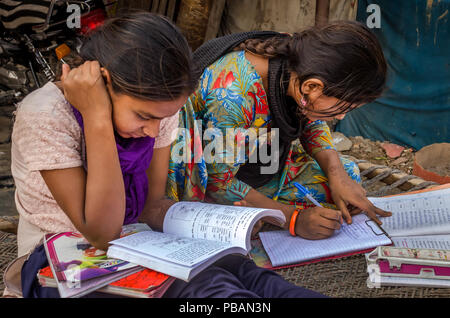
(80, 268)
(415, 269)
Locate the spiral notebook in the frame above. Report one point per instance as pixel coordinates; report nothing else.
(285, 249)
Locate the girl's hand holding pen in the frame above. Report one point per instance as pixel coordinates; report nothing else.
(318, 223)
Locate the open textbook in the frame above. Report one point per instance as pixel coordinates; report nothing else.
(419, 220)
(194, 236)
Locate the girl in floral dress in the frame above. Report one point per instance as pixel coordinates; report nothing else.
(256, 81)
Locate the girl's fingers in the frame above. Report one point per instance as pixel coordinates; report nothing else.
(382, 212)
(330, 225)
(240, 203)
(342, 206)
(354, 210)
(333, 215)
(94, 69)
(65, 72)
(372, 211)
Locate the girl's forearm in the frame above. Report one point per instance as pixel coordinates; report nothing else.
(154, 212)
(105, 192)
(259, 200)
(330, 163)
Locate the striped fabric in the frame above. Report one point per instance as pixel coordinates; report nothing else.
(15, 14)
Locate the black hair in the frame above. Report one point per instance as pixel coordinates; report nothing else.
(145, 54)
(345, 55)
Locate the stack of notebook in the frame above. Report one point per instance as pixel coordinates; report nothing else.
(420, 232)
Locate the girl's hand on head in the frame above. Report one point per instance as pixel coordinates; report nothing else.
(318, 223)
(350, 198)
(85, 89)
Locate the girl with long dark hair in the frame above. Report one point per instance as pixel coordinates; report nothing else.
(91, 153)
(291, 84)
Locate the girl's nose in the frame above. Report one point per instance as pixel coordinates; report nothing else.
(340, 117)
(151, 129)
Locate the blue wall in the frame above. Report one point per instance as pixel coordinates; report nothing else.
(415, 109)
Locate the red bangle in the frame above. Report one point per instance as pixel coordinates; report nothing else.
(293, 221)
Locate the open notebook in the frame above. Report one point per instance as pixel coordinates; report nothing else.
(284, 249)
(419, 219)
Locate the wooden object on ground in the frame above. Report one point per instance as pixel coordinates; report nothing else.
(164, 7)
(134, 4)
(411, 182)
(322, 12)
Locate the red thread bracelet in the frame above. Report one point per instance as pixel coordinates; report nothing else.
(293, 221)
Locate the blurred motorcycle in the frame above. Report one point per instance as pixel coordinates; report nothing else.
(30, 31)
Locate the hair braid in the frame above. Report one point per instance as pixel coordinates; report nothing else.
(275, 46)
(345, 55)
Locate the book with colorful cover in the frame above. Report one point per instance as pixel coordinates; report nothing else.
(79, 268)
(144, 284)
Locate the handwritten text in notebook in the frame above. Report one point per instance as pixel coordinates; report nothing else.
(284, 249)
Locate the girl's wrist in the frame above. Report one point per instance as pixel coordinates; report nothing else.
(98, 121)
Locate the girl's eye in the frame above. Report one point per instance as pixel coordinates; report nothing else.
(142, 117)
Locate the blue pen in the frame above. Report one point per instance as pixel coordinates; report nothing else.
(306, 193)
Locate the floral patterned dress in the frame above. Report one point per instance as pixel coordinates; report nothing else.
(231, 95)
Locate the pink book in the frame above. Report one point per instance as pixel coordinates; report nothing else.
(410, 262)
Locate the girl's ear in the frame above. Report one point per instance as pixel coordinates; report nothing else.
(107, 79)
(106, 76)
(312, 86)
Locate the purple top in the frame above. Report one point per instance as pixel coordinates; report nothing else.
(135, 155)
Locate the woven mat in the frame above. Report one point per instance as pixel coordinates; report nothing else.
(8, 252)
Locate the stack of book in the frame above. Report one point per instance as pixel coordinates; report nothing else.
(420, 232)
(76, 268)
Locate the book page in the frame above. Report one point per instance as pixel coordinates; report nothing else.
(285, 249)
(425, 213)
(430, 241)
(223, 223)
(172, 248)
